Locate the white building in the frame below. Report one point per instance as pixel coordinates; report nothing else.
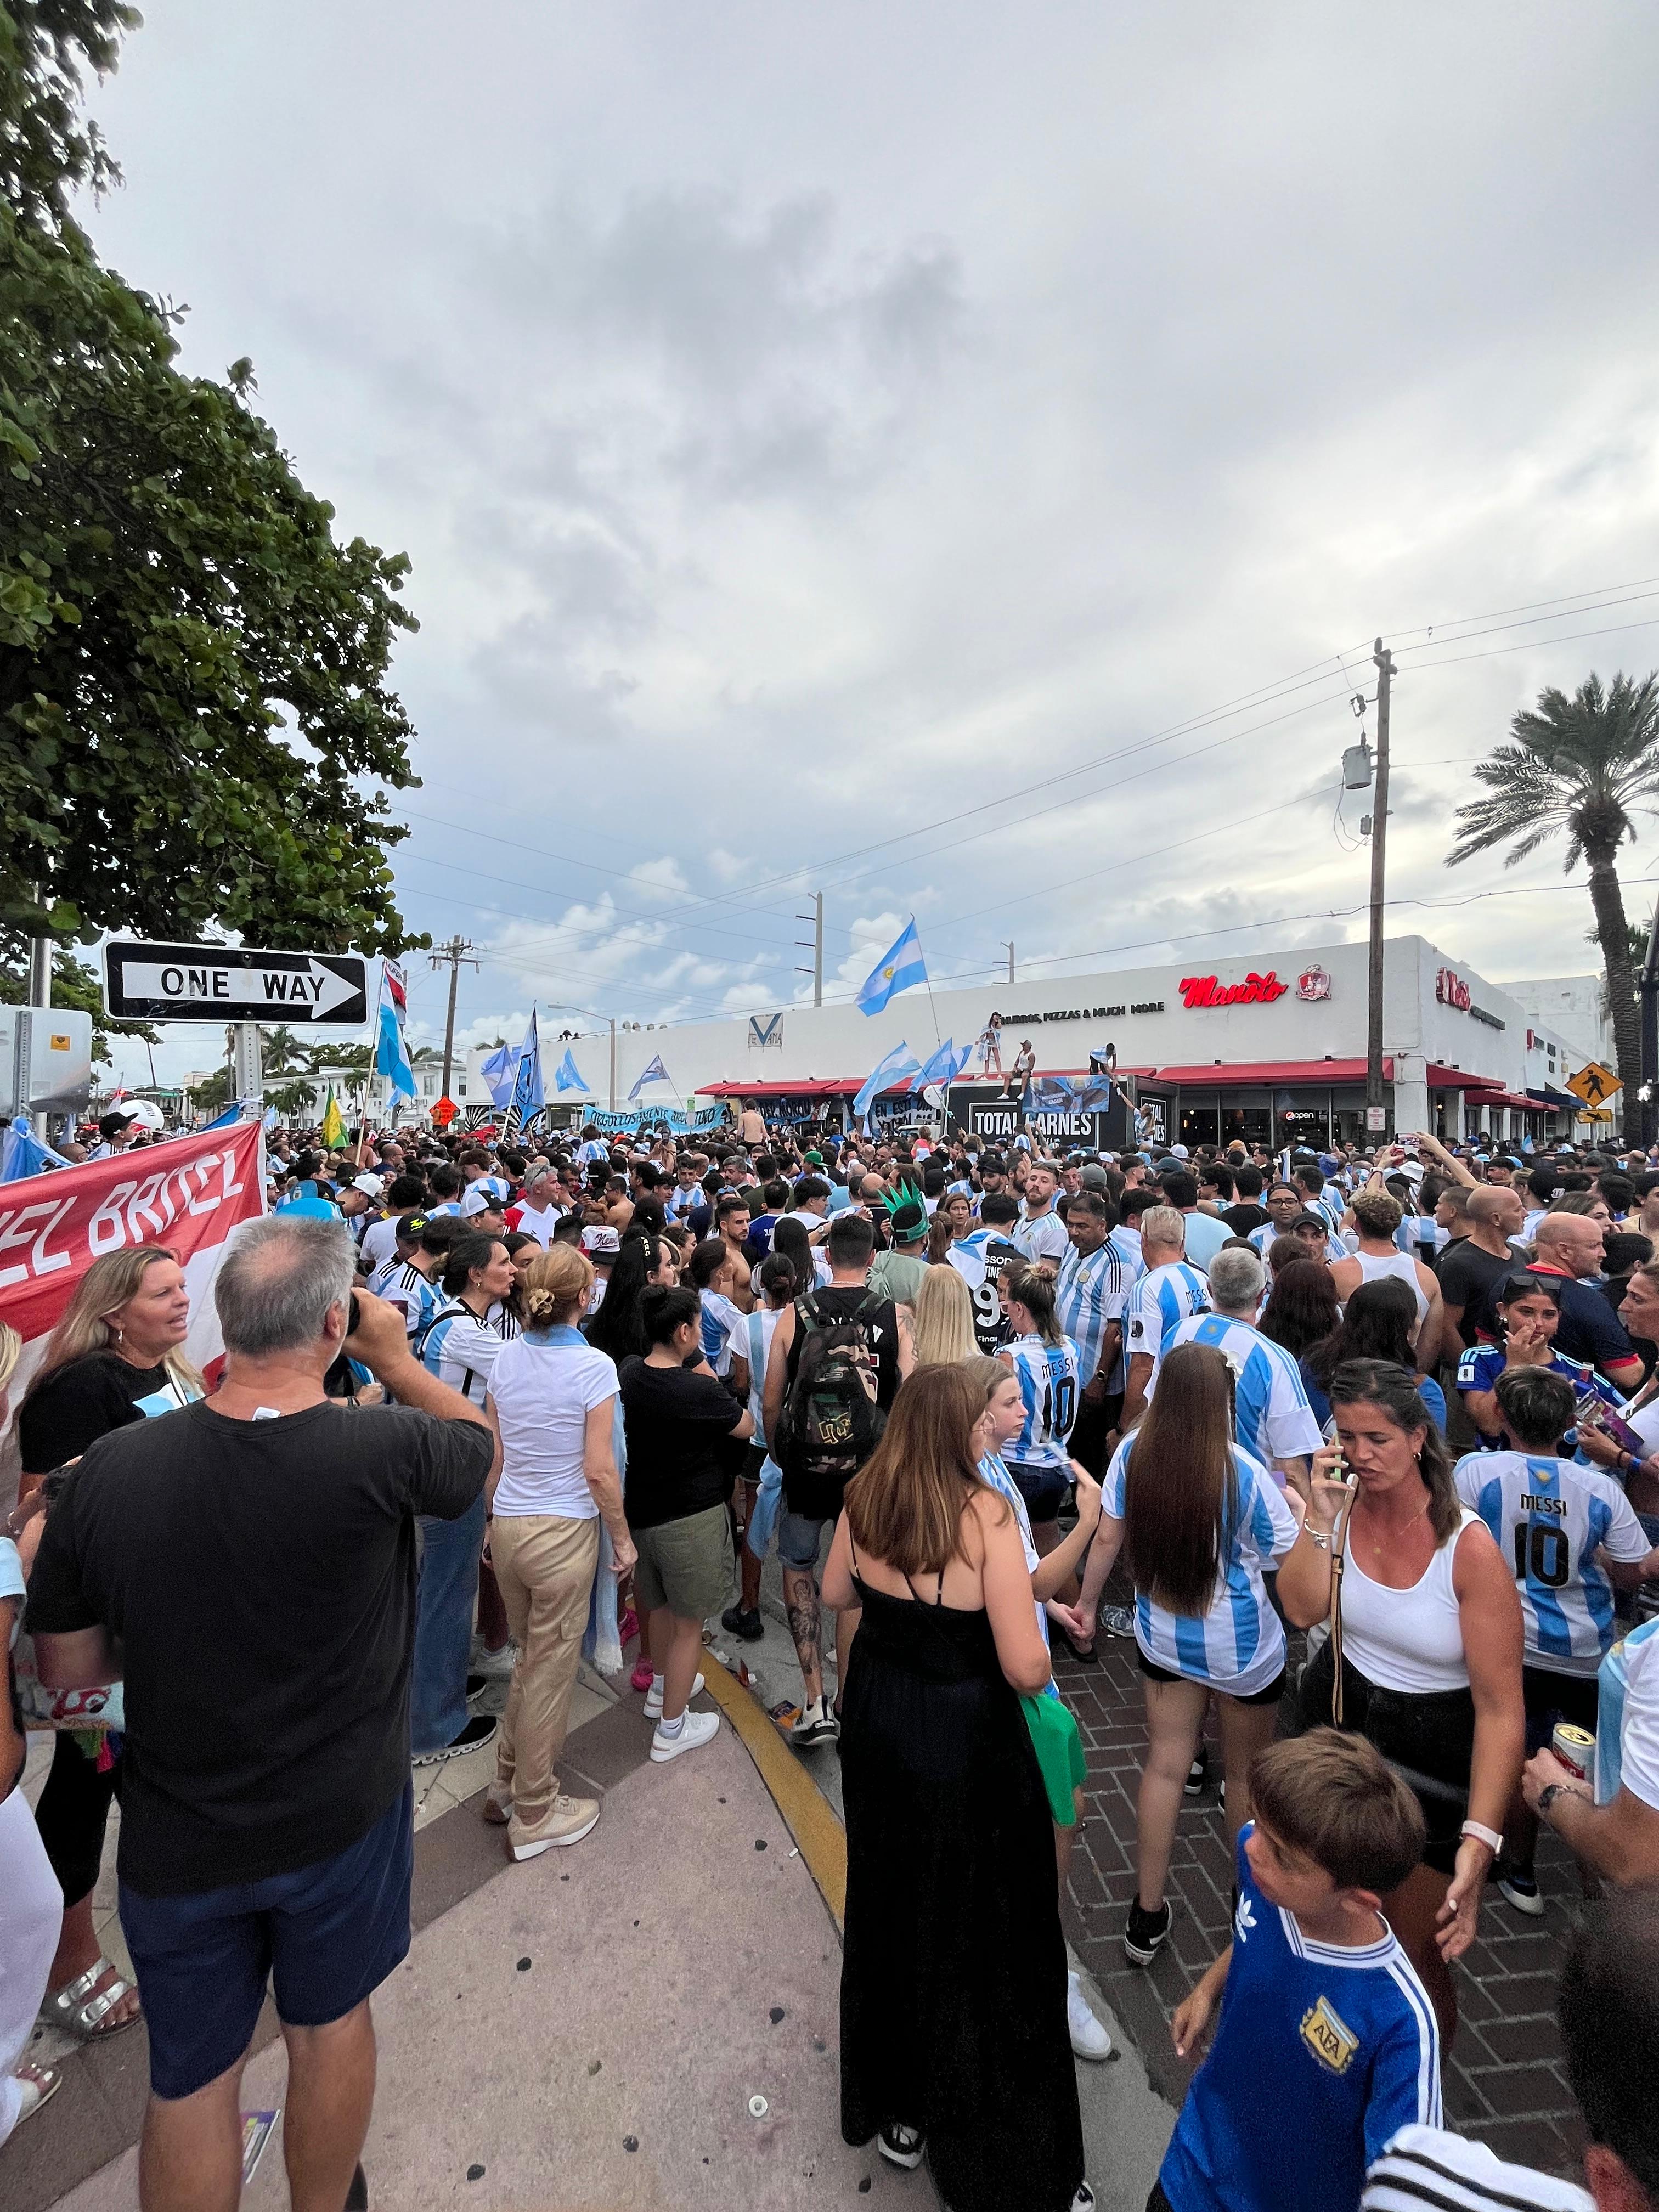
(1570, 1007)
(1270, 1046)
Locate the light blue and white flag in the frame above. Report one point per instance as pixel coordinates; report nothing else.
(655, 1073)
(498, 1071)
(390, 1053)
(892, 1074)
(23, 1154)
(1095, 1093)
(947, 1064)
(900, 967)
(1049, 1094)
(568, 1076)
(528, 1096)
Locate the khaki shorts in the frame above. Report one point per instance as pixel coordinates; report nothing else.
(686, 1565)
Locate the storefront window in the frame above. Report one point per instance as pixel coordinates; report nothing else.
(1302, 1118)
(1201, 1119)
(1348, 1119)
(1250, 1124)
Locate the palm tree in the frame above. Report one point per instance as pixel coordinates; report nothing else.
(1582, 764)
(281, 1053)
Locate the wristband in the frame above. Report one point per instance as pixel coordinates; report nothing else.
(1490, 1837)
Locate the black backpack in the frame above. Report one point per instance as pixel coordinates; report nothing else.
(831, 1422)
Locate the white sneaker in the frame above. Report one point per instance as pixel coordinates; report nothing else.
(1089, 2038)
(496, 1666)
(654, 1697)
(697, 1729)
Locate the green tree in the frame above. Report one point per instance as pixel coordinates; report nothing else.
(192, 667)
(1582, 764)
(75, 984)
(291, 1101)
(281, 1053)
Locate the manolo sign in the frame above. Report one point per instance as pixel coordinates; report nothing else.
(1209, 991)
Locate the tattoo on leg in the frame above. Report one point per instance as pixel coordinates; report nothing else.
(805, 1620)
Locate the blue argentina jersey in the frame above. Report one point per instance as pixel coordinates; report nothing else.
(1272, 1418)
(1161, 1300)
(993, 1472)
(1263, 1240)
(421, 1301)
(461, 1350)
(1088, 1298)
(1046, 1375)
(1238, 1644)
(1551, 1517)
(1480, 1365)
(1344, 2037)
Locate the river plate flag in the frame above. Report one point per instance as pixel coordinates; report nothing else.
(390, 1053)
(899, 967)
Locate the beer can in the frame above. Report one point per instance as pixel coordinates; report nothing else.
(1575, 1747)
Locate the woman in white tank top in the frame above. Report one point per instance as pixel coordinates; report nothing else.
(1376, 1217)
(1429, 1633)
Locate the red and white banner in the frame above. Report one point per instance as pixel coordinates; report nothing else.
(188, 1194)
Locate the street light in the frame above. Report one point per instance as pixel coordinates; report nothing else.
(569, 1006)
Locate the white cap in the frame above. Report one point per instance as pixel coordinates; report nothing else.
(481, 1199)
(601, 1242)
(371, 1185)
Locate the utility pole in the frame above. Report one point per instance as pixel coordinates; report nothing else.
(453, 956)
(41, 949)
(1648, 1092)
(815, 946)
(1008, 945)
(1384, 662)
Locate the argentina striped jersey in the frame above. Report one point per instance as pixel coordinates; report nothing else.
(1088, 1298)
(1551, 1516)
(1046, 1375)
(1161, 1300)
(1271, 1416)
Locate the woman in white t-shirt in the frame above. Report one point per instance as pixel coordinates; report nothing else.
(553, 1402)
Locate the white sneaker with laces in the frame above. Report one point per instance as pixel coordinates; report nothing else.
(654, 1697)
(697, 1729)
(1089, 2038)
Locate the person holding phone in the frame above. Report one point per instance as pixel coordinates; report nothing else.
(1528, 1311)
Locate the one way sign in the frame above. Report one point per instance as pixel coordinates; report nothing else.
(234, 983)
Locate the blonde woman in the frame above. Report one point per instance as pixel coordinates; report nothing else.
(116, 1356)
(553, 1402)
(944, 1328)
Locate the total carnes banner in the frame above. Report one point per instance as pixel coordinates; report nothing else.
(189, 1195)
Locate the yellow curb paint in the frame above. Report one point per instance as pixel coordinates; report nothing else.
(807, 1813)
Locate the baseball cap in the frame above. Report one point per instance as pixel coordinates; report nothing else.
(482, 1198)
(308, 1209)
(1094, 1177)
(601, 1242)
(370, 1185)
(411, 1227)
(813, 1159)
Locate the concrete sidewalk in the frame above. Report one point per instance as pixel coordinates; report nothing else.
(588, 2031)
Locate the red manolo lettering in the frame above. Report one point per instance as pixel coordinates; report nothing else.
(1200, 991)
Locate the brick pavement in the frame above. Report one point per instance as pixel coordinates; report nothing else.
(1503, 2082)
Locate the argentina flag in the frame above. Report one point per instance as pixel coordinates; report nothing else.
(900, 967)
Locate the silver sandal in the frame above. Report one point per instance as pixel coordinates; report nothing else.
(75, 2010)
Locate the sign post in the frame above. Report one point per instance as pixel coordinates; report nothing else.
(234, 983)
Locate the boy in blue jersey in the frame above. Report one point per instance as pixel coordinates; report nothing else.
(1322, 2019)
(1572, 1534)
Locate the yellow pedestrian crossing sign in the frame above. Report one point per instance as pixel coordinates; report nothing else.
(1593, 1084)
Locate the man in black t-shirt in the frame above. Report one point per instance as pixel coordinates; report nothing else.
(850, 1246)
(267, 1816)
(1469, 1270)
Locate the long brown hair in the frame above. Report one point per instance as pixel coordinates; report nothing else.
(905, 1505)
(1181, 1486)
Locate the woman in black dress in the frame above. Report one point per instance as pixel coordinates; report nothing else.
(953, 2029)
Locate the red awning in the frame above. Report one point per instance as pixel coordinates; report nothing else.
(1441, 1078)
(1268, 1072)
(1485, 1096)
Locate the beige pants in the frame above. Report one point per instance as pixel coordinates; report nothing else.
(544, 1566)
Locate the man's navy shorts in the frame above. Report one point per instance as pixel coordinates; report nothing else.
(325, 1937)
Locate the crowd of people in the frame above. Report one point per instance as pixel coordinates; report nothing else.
(1361, 1450)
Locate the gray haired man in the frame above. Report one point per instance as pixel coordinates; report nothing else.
(253, 1556)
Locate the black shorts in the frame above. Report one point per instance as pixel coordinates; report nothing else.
(1428, 1738)
(1552, 1698)
(1270, 1696)
(1043, 1489)
(753, 1460)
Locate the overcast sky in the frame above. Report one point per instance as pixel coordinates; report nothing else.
(808, 424)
